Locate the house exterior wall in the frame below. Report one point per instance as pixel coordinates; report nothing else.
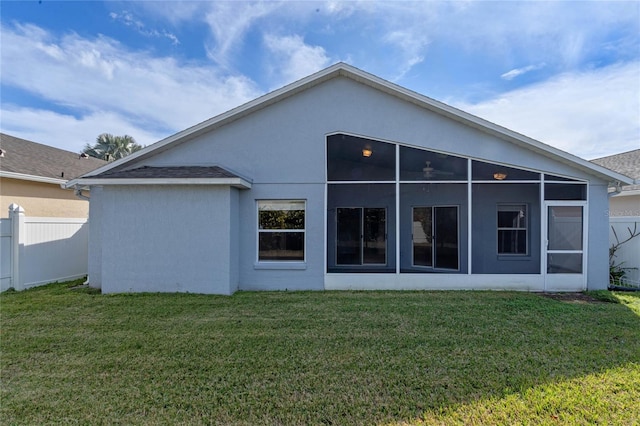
(256, 275)
(95, 237)
(486, 198)
(624, 205)
(598, 238)
(282, 149)
(167, 238)
(40, 199)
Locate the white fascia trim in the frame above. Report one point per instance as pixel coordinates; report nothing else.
(235, 182)
(32, 178)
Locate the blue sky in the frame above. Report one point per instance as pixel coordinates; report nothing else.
(565, 73)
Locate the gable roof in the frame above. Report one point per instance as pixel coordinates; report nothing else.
(27, 160)
(348, 71)
(627, 163)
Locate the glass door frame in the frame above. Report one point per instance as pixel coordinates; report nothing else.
(434, 237)
(362, 237)
(575, 281)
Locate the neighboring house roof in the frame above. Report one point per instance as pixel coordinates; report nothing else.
(626, 163)
(27, 160)
(348, 71)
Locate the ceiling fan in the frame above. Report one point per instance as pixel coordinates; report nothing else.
(430, 172)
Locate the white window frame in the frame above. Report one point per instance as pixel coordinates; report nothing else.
(277, 263)
(504, 207)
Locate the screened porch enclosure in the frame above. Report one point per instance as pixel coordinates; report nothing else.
(397, 209)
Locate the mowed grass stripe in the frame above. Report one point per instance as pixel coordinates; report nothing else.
(75, 356)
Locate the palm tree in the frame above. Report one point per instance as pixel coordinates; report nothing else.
(109, 147)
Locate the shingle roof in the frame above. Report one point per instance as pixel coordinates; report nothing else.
(626, 163)
(186, 172)
(35, 159)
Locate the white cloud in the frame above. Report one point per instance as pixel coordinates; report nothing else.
(67, 132)
(229, 22)
(127, 18)
(412, 46)
(294, 58)
(510, 75)
(174, 12)
(589, 114)
(398, 36)
(91, 76)
(564, 35)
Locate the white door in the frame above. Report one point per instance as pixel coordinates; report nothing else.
(564, 259)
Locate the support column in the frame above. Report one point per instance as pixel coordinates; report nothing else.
(16, 213)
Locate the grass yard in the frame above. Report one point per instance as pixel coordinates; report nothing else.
(333, 358)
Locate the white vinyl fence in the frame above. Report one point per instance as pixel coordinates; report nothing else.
(628, 255)
(40, 250)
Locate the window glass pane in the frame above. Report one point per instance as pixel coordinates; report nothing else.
(559, 178)
(280, 205)
(565, 228)
(281, 219)
(488, 171)
(565, 191)
(375, 236)
(512, 242)
(281, 246)
(512, 216)
(422, 236)
(564, 263)
(348, 242)
(446, 238)
(350, 158)
(418, 164)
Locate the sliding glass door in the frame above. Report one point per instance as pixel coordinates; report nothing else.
(435, 237)
(362, 236)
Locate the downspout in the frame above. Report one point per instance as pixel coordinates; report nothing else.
(78, 192)
(617, 188)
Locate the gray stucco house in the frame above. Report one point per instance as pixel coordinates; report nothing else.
(343, 180)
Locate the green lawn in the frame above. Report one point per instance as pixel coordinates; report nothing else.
(78, 357)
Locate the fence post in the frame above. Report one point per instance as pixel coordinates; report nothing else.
(16, 213)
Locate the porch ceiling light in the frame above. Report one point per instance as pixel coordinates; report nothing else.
(499, 175)
(366, 152)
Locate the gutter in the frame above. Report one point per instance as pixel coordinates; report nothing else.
(32, 178)
(77, 190)
(618, 189)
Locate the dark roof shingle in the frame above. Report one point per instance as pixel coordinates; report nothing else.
(35, 159)
(626, 163)
(182, 172)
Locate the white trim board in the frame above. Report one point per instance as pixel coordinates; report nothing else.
(412, 281)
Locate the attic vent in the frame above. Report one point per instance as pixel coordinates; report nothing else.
(2, 151)
(84, 156)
